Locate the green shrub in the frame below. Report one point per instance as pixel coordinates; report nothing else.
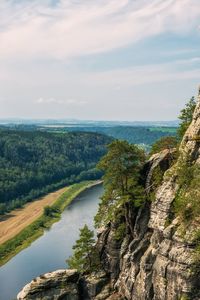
(187, 199)
(120, 231)
(168, 142)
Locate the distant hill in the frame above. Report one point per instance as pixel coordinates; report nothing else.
(141, 133)
(134, 135)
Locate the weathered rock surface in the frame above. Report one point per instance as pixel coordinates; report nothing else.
(67, 285)
(61, 284)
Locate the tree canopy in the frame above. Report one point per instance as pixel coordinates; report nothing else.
(144, 134)
(121, 166)
(168, 142)
(34, 163)
(186, 116)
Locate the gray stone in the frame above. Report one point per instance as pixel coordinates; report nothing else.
(61, 284)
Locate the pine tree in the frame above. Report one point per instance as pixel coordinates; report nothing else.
(122, 165)
(82, 258)
(186, 116)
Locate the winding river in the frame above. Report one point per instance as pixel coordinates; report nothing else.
(49, 252)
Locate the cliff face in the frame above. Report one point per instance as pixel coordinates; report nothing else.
(154, 260)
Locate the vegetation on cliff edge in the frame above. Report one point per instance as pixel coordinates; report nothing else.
(186, 116)
(121, 166)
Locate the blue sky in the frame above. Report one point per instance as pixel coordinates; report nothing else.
(98, 59)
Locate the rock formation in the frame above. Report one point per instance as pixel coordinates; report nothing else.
(154, 260)
(61, 284)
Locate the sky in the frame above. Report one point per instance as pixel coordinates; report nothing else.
(131, 60)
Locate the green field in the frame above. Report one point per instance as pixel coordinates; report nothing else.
(172, 130)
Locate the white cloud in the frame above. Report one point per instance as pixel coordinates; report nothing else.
(70, 29)
(74, 102)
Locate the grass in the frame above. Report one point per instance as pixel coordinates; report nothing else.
(29, 234)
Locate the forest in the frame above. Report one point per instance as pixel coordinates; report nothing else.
(133, 135)
(33, 163)
(145, 135)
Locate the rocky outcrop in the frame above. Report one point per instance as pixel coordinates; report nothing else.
(157, 259)
(158, 162)
(61, 284)
(67, 285)
(154, 259)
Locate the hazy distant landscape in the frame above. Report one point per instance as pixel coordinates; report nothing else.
(84, 123)
(140, 133)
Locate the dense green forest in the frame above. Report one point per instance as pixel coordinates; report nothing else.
(146, 135)
(33, 163)
(133, 135)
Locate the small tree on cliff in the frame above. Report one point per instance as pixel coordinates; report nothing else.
(167, 142)
(82, 258)
(121, 166)
(186, 116)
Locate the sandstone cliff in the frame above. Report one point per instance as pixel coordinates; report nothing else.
(155, 258)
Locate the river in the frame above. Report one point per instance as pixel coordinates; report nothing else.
(49, 252)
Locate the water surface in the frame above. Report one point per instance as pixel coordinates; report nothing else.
(49, 252)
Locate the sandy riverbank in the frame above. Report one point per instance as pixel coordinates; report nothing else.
(12, 223)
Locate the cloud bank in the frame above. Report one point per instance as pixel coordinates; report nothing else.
(120, 55)
(38, 29)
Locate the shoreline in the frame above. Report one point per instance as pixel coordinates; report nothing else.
(15, 221)
(37, 228)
